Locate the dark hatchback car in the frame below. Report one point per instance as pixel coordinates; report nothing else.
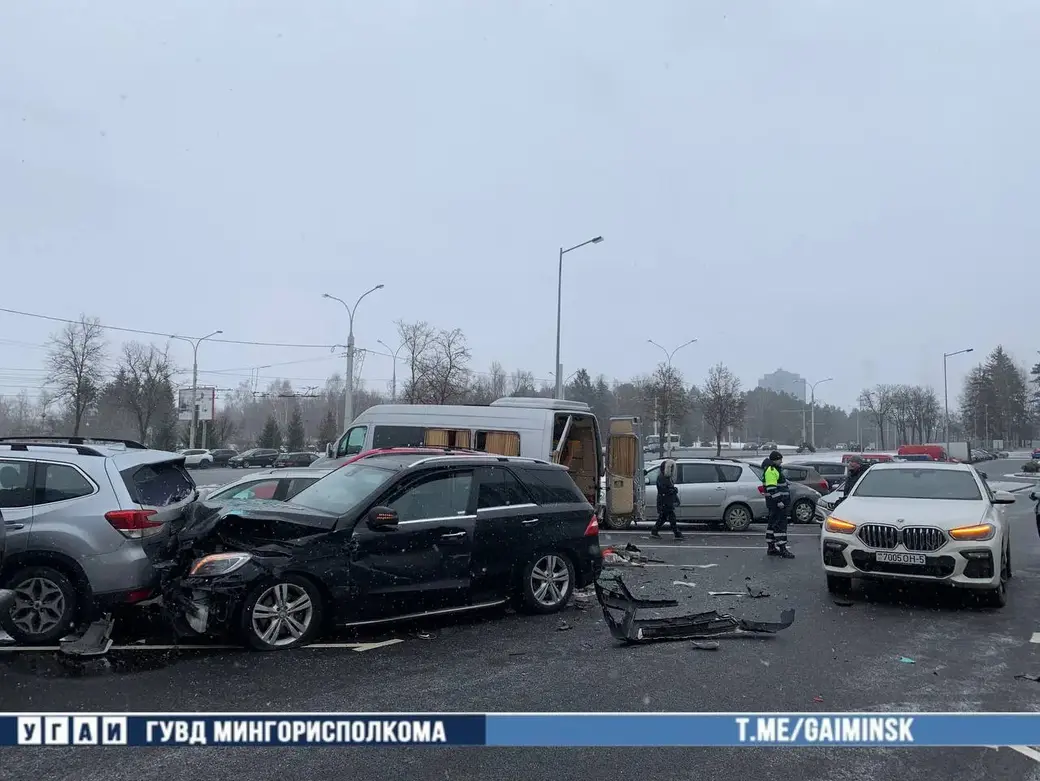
(222, 455)
(390, 537)
(295, 459)
(258, 456)
(833, 472)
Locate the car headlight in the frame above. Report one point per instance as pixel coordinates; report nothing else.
(217, 564)
(982, 531)
(839, 526)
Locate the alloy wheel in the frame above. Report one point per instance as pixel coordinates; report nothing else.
(39, 605)
(550, 580)
(282, 614)
(803, 512)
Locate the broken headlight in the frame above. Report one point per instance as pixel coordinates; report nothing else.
(218, 564)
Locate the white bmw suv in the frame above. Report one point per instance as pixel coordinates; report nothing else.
(927, 522)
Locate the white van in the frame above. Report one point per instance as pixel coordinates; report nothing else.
(554, 430)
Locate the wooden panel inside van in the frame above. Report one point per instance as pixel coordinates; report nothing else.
(622, 461)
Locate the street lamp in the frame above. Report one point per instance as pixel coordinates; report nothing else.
(946, 397)
(559, 308)
(812, 410)
(393, 352)
(668, 355)
(194, 381)
(348, 402)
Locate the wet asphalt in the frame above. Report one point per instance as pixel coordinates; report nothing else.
(834, 658)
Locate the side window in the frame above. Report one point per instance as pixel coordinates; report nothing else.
(729, 473)
(397, 436)
(501, 443)
(651, 476)
(262, 489)
(353, 442)
(552, 486)
(697, 473)
(436, 496)
(297, 484)
(446, 437)
(58, 482)
(16, 483)
(500, 488)
(795, 474)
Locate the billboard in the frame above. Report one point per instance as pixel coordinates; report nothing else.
(206, 401)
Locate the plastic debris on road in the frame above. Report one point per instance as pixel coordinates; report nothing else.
(725, 593)
(817, 699)
(684, 583)
(906, 660)
(756, 593)
(843, 602)
(630, 556)
(710, 645)
(1028, 677)
(563, 626)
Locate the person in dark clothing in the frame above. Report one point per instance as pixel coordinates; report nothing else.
(667, 500)
(857, 467)
(778, 500)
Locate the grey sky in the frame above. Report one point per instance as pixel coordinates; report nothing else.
(879, 158)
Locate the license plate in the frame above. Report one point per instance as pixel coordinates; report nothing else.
(902, 558)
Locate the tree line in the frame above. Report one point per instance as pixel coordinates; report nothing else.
(134, 397)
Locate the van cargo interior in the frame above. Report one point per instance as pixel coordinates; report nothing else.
(578, 451)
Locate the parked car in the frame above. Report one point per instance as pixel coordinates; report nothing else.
(385, 538)
(258, 456)
(295, 459)
(80, 517)
(722, 492)
(279, 486)
(806, 474)
(831, 472)
(1035, 455)
(7, 596)
(935, 523)
(199, 459)
(222, 455)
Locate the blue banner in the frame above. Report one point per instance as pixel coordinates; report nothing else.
(520, 729)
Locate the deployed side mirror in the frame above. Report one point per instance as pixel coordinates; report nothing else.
(382, 517)
(983, 475)
(328, 450)
(1003, 497)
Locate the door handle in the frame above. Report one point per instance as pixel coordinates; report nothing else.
(13, 525)
(453, 536)
(530, 522)
(721, 488)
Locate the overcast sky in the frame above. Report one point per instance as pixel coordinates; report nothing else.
(845, 189)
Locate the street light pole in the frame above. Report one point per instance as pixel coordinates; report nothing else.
(393, 381)
(946, 397)
(559, 309)
(812, 410)
(668, 355)
(194, 382)
(348, 401)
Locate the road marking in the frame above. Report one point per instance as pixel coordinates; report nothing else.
(1027, 751)
(359, 647)
(703, 547)
(607, 533)
(1035, 638)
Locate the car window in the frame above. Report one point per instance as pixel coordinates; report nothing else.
(340, 491)
(353, 443)
(435, 496)
(918, 484)
(297, 484)
(697, 473)
(500, 488)
(259, 489)
(552, 486)
(651, 476)
(795, 474)
(730, 472)
(58, 482)
(15, 485)
(398, 436)
(158, 485)
(830, 470)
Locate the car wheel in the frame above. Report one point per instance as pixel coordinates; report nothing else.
(246, 465)
(737, 517)
(548, 582)
(1007, 561)
(44, 607)
(803, 511)
(839, 584)
(204, 464)
(610, 521)
(281, 614)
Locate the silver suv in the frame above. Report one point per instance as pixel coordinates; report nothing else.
(723, 492)
(79, 516)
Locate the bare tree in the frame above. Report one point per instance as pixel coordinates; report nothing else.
(75, 366)
(224, 428)
(902, 412)
(722, 403)
(497, 380)
(448, 368)
(144, 383)
(418, 341)
(667, 393)
(879, 402)
(522, 383)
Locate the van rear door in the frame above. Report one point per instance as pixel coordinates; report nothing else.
(624, 465)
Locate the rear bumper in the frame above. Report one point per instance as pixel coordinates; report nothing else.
(589, 563)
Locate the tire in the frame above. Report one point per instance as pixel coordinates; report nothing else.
(806, 507)
(50, 586)
(998, 597)
(738, 517)
(286, 590)
(547, 583)
(204, 464)
(609, 521)
(246, 465)
(839, 584)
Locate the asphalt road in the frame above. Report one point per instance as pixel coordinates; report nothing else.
(965, 658)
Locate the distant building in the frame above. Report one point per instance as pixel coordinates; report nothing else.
(785, 382)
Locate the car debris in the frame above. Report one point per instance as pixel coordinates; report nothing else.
(630, 555)
(614, 595)
(1028, 677)
(684, 583)
(725, 593)
(563, 626)
(95, 641)
(710, 645)
(757, 593)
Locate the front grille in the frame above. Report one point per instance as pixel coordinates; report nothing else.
(915, 538)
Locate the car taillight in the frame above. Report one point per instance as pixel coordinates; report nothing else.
(761, 489)
(133, 524)
(824, 487)
(593, 528)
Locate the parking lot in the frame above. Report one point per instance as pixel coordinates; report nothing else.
(889, 650)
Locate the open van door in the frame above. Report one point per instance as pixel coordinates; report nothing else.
(624, 473)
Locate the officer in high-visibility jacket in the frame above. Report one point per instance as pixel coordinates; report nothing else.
(778, 501)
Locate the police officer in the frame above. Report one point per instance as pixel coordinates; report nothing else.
(778, 500)
(667, 500)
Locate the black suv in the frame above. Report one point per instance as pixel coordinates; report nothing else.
(258, 456)
(222, 455)
(295, 459)
(389, 537)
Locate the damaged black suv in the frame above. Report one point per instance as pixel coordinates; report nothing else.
(392, 536)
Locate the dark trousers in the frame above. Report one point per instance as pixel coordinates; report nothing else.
(666, 515)
(776, 529)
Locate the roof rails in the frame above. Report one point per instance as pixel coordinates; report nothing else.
(490, 456)
(83, 450)
(129, 444)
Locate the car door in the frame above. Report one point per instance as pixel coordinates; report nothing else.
(422, 563)
(16, 502)
(650, 493)
(508, 527)
(701, 492)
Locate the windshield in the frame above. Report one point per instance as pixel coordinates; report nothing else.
(341, 490)
(918, 484)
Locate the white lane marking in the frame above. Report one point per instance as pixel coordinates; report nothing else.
(1027, 751)
(702, 547)
(144, 647)
(646, 533)
(1035, 638)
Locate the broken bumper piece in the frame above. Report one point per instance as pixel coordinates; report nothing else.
(615, 596)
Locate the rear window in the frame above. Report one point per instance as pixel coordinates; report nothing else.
(552, 486)
(158, 485)
(918, 484)
(830, 470)
(729, 472)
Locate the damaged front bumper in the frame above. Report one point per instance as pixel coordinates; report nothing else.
(615, 596)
